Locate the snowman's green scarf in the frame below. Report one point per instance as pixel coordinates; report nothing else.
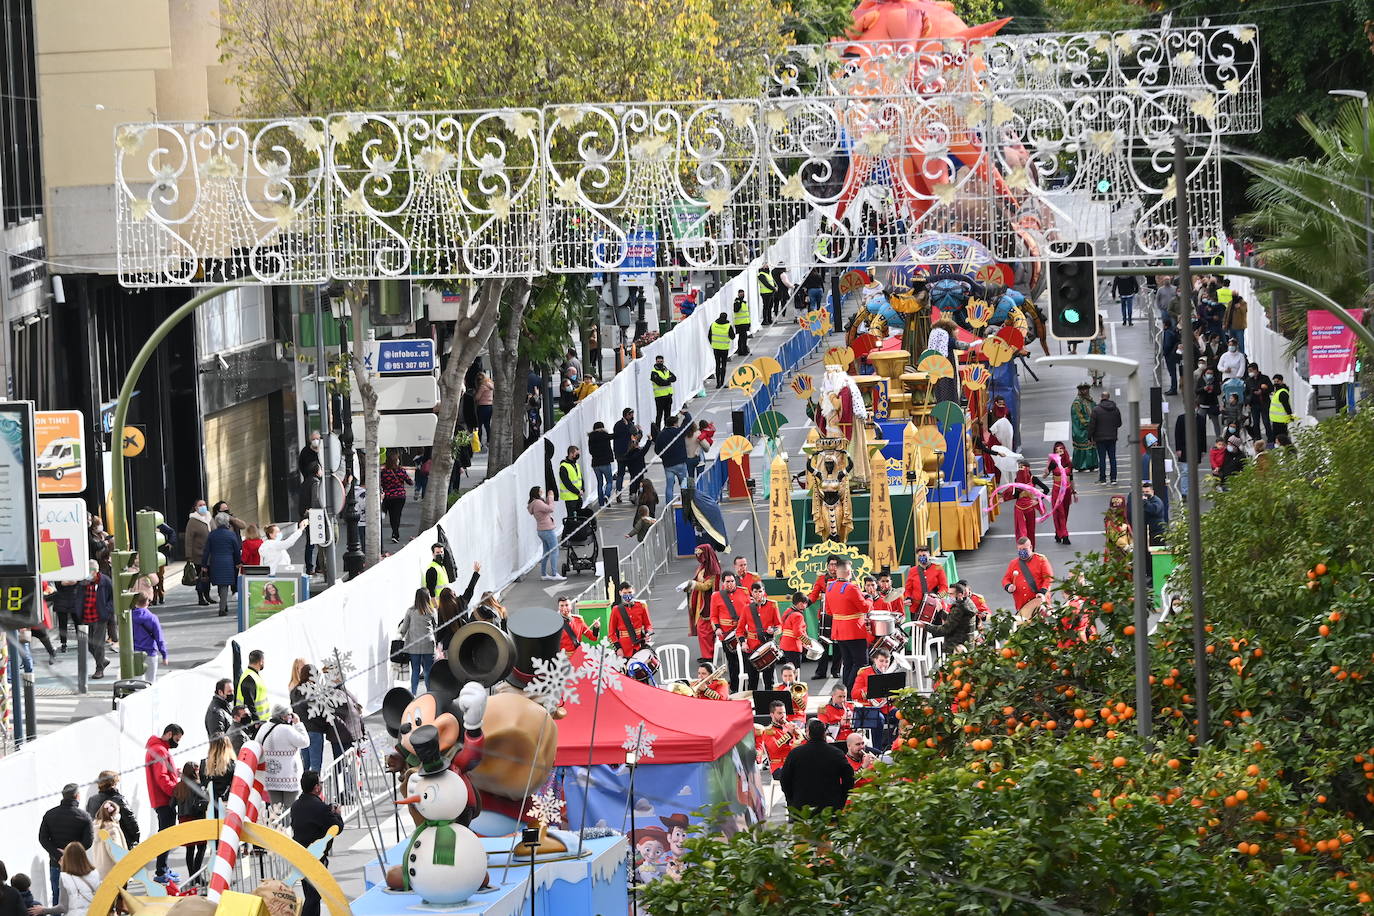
(445, 843)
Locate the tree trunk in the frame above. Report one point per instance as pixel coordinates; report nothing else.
(371, 473)
(470, 333)
(505, 349)
(517, 418)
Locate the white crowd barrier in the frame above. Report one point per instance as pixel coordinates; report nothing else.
(489, 525)
(1267, 347)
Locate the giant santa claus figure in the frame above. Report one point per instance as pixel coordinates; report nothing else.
(841, 412)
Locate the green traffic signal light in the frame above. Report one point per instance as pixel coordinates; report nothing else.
(1071, 316)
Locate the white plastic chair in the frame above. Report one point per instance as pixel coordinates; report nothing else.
(673, 664)
(935, 650)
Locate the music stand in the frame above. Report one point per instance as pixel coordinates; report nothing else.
(763, 699)
(883, 686)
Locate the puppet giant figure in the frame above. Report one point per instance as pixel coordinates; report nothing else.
(842, 414)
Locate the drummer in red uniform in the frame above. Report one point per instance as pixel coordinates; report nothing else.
(824, 666)
(575, 629)
(849, 610)
(757, 625)
(875, 713)
(838, 714)
(779, 737)
(925, 578)
(727, 607)
(794, 638)
(631, 629)
(743, 577)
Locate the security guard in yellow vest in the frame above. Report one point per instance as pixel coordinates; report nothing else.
(436, 573)
(1280, 411)
(570, 480)
(719, 335)
(742, 322)
(252, 692)
(661, 381)
(768, 287)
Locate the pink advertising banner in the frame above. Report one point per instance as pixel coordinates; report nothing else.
(1330, 348)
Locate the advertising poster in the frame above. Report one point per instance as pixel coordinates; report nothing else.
(17, 496)
(63, 548)
(59, 442)
(267, 595)
(1330, 348)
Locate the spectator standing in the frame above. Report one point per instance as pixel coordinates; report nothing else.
(542, 508)
(395, 484)
(422, 476)
(217, 772)
(282, 739)
(601, 449)
(219, 715)
(311, 471)
(567, 390)
(594, 352)
(692, 441)
(646, 497)
(66, 602)
(252, 541)
(1237, 320)
(108, 819)
(767, 286)
(816, 775)
(12, 899)
(161, 774)
(311, 819)
(1169, 342)
(620, 443)
(1125, 290)
(1280, 410)
(417, 631)
(1257, 389)
(275, 551)
(661, 385)
(570, 491)
(1154, 514)
(222, 557)
(1231, 364)
(97, 610)
(1208, 388)
(740, 310)
(1180, 445)
(672, 448)
(482, 395)
(107, 791)
(191, 804)
(814, 284)
(62, 825)
(318, 726)
(1166, 298)
(719, 334)
(147, 631)
(1105, 426)
(78, 882)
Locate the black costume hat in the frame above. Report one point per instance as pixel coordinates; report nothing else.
(536, 633)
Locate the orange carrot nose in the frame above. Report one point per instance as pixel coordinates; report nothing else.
(408, 800)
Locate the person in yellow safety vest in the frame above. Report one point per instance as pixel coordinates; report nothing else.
(436, 573)
(661, 381)
(719, 335)
(1280, 412)
(742, 323)
(570, 480)
(768, 286)
(252, 692)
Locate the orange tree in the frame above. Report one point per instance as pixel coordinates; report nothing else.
(1019, 784)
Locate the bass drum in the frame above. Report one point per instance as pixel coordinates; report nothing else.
(765, 656)
(643, 666)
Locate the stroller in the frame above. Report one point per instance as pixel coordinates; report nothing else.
(580, 543)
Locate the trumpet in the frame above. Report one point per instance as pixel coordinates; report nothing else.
(700, 687)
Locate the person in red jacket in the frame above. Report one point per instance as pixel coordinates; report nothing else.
(1028, 579)
(849, 610)
(630, 624)
(727, 607)
(710, 689)
(794, 639)
(838, 714)
(743, 577)
(575, 629)
(856, 753)
(251, 543)
(888, 598)
(760, 613)
(875, 714)
(825, 666)
(791, 679)
(161, 773)
(925, 578)
(779, 737)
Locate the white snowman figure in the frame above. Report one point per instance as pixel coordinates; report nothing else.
(444, 862)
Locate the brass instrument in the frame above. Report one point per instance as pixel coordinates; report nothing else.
(799, 693)
(700, 687)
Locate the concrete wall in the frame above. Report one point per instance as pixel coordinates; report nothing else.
(103, 63)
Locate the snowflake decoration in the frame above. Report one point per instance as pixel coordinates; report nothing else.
(602, 667)
(549, 686)
(325, 692)
(639, 741)
(546, 808)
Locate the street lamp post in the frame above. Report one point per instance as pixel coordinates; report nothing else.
(1129, 369)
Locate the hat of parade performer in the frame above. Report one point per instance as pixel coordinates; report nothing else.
(537, 634)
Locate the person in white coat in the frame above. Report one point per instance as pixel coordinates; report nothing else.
(78, 882)
(282, 739)
(275, 550)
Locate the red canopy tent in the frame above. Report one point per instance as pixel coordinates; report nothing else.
(686, 730)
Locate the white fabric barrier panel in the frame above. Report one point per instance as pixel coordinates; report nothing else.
(1267, 348)
(359, 618)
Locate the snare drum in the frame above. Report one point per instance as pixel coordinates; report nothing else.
(814, 650)
(892, 642)
(730, 641)
(930, 606)
(882, 623)
(765, 656)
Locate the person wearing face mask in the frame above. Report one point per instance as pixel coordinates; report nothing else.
(194, 538)
(162, 776)
(728, 606)
(1231, 363)
(1280, 411)
(630, 629)
(1232, 461)
(274, 552)
(1028, 579)
(1209, 396)
(923, 579)
(310, 469)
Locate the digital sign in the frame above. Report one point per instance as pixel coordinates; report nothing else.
(19, 596)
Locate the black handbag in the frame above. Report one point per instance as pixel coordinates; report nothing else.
(399, 655)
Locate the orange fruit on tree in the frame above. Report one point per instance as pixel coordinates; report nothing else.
(1252, 770)
(1334, 617)
(1174, 764)
(1324, 630)
(1321, 569)
(1311, 574)
(1118, 762)
(1129, 630)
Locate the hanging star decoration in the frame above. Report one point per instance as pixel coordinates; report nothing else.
(568, 116)
(343, 127)
(219, 166)
(944, 192)
(434, 160)
(1185, 59)
(309, 135)
(1018, 178)
(281, 214)
(875, 143)
(741, 114)
(490, 166)
(1125, 41)
(1103, 44)
(354, 202)
(566, 191)
(1205, 107)
(501, 207)
(128, 139)
(716, 199)
(775, 119)
(140, 208)
(550, 685)
(518, 122)
(792, 188)
(653, 148)
(1104, 141)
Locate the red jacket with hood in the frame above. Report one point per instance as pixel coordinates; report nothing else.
(161, 771)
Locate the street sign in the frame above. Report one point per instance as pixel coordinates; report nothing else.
(407, 392)
(132, 442)
(59, 442)
(399, 430)
(392, 357)
(63, 544)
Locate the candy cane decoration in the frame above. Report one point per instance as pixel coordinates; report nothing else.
(237, 809)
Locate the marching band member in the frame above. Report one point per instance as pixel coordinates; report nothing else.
(794, 636)
(873, 713)
(575, 629)
(925, 578)
(1028, 579)
(824, 666)
(779, 737)
(870, 595)
(791, 675)
(838, 715)
(631, 627)
(743, 577)
(727, 607)
(849, 611)
(858, 756)
(758, 624)
(888, 598)
(710, 689)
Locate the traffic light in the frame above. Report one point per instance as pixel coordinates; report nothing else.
(125, 574)
(148, 539)
(1073, 295)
